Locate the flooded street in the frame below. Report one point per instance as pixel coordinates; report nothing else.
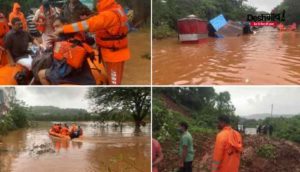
(138, 69)
(268, 57)
(104, 149)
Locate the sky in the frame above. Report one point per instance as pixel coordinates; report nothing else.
(63, 97)
(264, 5)
(256, 100)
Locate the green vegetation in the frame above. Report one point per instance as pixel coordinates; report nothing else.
(50, 113)
(267, 151)
(167, 12)
(134, 101)
(292, 11)
(203, 105)
(15, 118)
(283, 127)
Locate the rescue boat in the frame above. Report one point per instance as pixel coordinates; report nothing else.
(8, 73)
(51, 133)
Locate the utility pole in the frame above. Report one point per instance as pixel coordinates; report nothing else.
(271, 110)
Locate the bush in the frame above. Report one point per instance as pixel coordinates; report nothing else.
(162, 31)
(16, 118)
(267, 151)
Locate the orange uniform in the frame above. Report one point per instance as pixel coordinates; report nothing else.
(56, 129)
(19, 14)
(227, 152)
(64, 131)
(111, 36)
(3, 28)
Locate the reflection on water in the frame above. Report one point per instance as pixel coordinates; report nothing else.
(104, 149)
(268, 57)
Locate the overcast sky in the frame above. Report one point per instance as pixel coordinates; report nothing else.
(63, 97)
(264, 5)
(253, 100)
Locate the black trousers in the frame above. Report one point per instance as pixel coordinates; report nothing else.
(187, 167)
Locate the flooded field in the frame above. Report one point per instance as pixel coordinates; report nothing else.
(268, 57)
(104, 149)
(138, 69)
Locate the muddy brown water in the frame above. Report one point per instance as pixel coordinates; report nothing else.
(138, 69)
(102, 149)
(268, 57)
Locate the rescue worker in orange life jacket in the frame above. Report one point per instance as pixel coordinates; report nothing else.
(111, 36)
(228, 147)
(3, 28)
(69, 64)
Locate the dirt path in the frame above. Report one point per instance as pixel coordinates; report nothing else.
(287, 155)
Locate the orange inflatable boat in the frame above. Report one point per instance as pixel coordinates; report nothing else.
(51, 133)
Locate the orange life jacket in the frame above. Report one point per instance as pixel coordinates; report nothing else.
(227, 151)
(73, 54)
(65, 131)
(114, 38)
(3, 30)
(56, 129)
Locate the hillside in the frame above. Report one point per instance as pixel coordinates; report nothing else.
(261, 153)
(51, 113)
(266, 115)
(51, 110)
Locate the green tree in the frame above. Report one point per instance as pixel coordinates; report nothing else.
(135, 100)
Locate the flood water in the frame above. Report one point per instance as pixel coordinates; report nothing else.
(268, 57)
(137, 69)
(102, 149)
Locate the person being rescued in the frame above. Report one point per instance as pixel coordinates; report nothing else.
(111, 36)
(69, 65)
(76, 131)
(16, 42)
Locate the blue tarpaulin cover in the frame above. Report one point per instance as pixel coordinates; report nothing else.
(218, 22)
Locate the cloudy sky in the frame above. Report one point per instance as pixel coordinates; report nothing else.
(63, 97)
(264, 5)
(253, 100)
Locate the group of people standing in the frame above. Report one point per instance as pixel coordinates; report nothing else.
(70, 35)
(227, 149)
(265, 129)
